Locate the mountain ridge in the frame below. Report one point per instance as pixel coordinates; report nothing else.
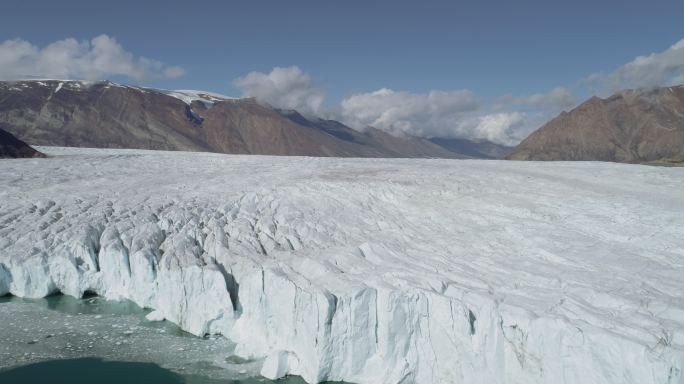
(103, 114)
(632, 126)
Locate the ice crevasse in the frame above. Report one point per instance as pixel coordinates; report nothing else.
(351, 270)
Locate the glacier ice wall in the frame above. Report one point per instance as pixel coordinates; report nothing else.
(369, 271)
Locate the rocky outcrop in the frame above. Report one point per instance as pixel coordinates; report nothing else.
(632, 126)
(11, 147)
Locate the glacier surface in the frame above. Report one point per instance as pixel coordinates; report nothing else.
(367, 270)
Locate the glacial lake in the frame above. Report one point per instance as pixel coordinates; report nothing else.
(64, 340)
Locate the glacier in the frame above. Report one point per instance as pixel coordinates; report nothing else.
(368, 270)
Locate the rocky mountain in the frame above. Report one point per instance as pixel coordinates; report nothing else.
(633, 126)
(108, 115)
(11, 147)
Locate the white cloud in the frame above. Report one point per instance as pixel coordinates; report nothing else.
(96, 59)
(657, 69)
(450, 114)
(459, 114)
(437, 113)
(286, 88)
(401, 112)
(499, 128)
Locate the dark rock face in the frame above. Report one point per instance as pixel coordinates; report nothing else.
(11, 147)
(107, 115)
(631, 126)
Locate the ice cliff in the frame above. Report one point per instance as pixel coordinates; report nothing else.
(369, 271)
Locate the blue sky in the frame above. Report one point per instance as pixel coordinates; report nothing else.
(346, 48)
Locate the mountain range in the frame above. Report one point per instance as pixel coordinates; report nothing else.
(108, 115)
(634, 126)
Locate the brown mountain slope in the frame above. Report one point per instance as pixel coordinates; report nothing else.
(482, 149)
(383, 142)
(11, 147)
(108, 115)
(417, 147)
(631, 126)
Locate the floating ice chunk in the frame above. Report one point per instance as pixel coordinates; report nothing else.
(155, 316)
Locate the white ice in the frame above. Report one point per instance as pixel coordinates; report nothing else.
(368, 270)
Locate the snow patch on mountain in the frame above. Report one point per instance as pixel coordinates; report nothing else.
(188, 96)
(366, 270)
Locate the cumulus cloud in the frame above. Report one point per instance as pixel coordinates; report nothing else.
(400, 112)
(657, 69)
(437, 113)
(501, 128)
(447, 114)
(287, 88)
(96, 59)
(459, 113)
